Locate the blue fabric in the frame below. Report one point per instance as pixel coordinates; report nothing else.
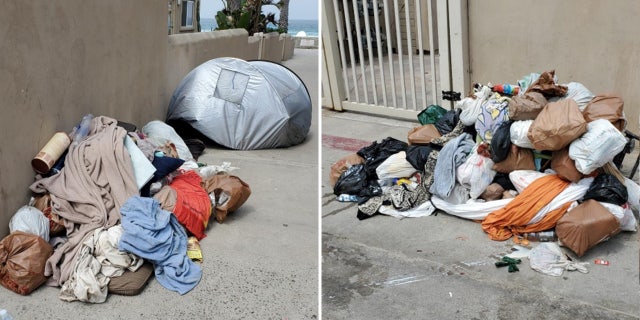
(452, 155)
(155, 235)
(164, 166)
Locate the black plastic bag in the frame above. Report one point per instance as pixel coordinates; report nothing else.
(471, 130)
(354, 181)
(417, 155)
(431, 114)
(503, 180)
(501, 142)
(377, 153)
(448, 121)
(606, 188)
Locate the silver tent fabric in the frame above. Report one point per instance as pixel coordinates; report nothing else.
(244, 105)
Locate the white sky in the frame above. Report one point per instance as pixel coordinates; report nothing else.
(298, 9)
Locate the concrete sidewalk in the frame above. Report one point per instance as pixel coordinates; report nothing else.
(262, 263)
(442, 266)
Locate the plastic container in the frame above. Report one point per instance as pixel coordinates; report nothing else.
(4, 315)
(542, 236)
(506, 89)
(82, 131)
(348, 198)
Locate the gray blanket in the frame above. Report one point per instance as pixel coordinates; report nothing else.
(452, 155)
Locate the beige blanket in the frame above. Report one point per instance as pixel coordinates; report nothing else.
(88, 192)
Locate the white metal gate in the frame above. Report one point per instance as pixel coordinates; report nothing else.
(393, 57)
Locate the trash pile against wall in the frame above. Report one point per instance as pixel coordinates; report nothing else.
(544, 157)
(113, 205)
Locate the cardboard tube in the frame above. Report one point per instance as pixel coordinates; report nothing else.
(50, 153)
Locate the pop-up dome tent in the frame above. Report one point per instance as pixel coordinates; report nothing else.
(243, 105)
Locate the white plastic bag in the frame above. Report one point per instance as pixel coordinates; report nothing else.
(633, 189)
(464, 171)
(395, 166)
(548, 258)
(459, 194)
(523, 178)
(471, 108)
(472, 209)
(481, 176)
(528, 79)
(209, 171)
(579, 93)
(518, 133)
(30, 220)
(599, 145)
(615, 209)
(623, 214)
(628, 222)
(160, 133)
(423, 210)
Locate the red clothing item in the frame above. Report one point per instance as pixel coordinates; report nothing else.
(193, 206)
(502, 224)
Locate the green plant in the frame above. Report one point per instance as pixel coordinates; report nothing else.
(248, 16)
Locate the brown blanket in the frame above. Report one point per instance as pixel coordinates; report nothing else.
(88, 192)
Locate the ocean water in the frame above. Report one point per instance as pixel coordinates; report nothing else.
(310, 27)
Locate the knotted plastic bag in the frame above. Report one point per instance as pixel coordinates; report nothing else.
(431, 114)
(550, 260)
(22, 260)
(30, 220)
(607, 188)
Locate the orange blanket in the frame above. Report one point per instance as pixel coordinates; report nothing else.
(513, 218)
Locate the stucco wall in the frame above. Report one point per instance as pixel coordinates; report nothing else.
(62, 60)
(272, 45)
(588, 41)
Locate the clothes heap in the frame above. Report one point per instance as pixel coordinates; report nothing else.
(543, 157)
(118, 205)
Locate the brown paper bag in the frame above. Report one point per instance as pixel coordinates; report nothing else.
(557, 125)
(606, 106)
(527, 106)
(585, 226)
(493, 192)
(230, 187)
(423, 134)
(22, 260)
(518, 159)
(564, 166)
(56, 224)
(547, 86)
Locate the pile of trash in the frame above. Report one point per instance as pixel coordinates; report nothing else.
(113, 205)
(533, 157)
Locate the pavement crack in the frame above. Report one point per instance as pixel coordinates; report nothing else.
(353, 204)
